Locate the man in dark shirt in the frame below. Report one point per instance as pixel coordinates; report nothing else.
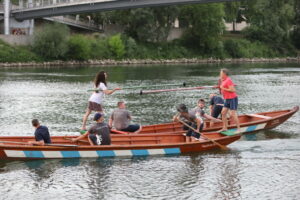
(216, 105)
(41, 134)
(99, 134)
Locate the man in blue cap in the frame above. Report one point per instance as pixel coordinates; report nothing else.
(98, 134)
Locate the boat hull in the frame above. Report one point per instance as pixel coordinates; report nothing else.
(123, 147)
(248, 123)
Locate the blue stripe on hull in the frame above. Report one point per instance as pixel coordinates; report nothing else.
(106, 153)
(172, 151)
(251, 128)
(34, 154)
(70, 154)
(140, 152)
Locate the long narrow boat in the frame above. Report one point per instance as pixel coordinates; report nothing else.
(248, 123)
(122, 145)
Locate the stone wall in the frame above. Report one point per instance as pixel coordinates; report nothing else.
(17, 39)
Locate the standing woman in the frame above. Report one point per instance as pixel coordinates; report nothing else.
(96, 100)
(231, 99)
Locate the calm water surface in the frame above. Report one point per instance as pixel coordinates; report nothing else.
(265, 165)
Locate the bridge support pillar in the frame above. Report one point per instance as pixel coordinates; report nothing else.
(31, 21)
(6, 17)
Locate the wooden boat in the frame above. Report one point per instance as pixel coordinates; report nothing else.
(122, 145)
(248, 123)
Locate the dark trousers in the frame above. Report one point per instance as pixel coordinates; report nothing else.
(190, 132)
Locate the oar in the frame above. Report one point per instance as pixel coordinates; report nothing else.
(147, 86)
(111, 130)
(70, 139)
(177, 89)
(216, 143)
(56, 145)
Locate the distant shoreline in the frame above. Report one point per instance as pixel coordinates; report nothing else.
(152, 61)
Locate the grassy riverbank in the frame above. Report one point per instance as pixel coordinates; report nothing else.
(121, 49)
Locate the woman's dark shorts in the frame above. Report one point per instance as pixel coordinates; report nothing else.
(232, 104)
(131, 128)
(95, 107)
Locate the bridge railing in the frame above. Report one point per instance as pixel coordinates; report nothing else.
(45, 3)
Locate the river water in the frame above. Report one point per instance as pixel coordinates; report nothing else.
(264, 165)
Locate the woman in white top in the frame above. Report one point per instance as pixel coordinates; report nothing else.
(96, 100)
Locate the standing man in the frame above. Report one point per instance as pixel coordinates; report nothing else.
(231, 99)
(41, 134)
(120, 119)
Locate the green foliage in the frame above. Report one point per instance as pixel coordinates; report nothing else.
(51, 41)
(116, 46)
(79, 47)
(271, 21)
(16, 54)
(205, 26)
(100, 49)
(241, 48)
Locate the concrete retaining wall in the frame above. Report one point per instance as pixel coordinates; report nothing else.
(17, 39)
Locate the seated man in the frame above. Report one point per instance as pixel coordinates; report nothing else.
(192, 120)
(41, 134)
(120, 119)
(99, 134)
(199, 112)
(216, 105)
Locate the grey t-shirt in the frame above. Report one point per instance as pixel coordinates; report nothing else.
(198, 112)
(121, 118)
(102, 130)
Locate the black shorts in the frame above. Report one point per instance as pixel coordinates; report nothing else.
(216, 111)
(191, 132)
(131, 128)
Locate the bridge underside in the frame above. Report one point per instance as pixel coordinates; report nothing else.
(57, 10)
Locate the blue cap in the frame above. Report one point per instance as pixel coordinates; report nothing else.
(97, 116)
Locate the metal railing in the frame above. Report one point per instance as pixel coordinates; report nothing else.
(69, 19)
(48, 3)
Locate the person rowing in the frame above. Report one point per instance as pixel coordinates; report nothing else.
(120, 119)
(98, 134)
(191, 120)
(198, 111)
(231, 100)
(97, 98)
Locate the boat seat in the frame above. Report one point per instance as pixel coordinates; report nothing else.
(259, 116)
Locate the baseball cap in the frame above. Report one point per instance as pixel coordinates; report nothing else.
(97, 116)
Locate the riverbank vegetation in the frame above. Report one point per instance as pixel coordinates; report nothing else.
(273, 31)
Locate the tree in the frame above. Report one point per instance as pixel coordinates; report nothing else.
(51, 41)
(205, 26)
(296, 28)
(116, 46)
(271, 21)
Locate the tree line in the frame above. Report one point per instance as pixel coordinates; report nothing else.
(273, 31)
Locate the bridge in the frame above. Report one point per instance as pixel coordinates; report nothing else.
(31, 9)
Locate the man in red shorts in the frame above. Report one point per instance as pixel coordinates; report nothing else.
(231, 100)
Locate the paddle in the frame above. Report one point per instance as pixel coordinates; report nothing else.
(216, 143)
(148, 86)
(177, 89)
(56, 145)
